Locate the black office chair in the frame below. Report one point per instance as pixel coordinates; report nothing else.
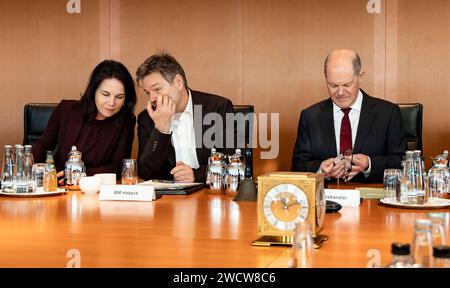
(248, 136)
(412, 114)
(35, 119)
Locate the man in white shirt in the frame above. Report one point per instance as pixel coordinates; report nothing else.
(170, 137)
(367, 129)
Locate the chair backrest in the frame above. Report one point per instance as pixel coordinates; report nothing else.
(412, 114)
(35, 120)
(248, 136)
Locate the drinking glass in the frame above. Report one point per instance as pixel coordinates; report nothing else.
(303, 246)
(347, 159)
(438, 182)
(129, 172)
(38, 173)
(423, 243)
(391, 179)
(438, 228)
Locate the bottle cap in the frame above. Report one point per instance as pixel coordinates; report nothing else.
(400, 249)
(441, 251)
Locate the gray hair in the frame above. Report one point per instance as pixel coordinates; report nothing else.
(163, 63)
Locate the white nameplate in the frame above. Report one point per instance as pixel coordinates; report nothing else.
(347, 198)
(127, 193)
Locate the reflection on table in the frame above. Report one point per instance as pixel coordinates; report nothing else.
(199, 230)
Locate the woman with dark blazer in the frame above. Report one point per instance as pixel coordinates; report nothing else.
(100, 124)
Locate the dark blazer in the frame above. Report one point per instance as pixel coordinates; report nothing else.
(380, 136)
(156, 156)
(64, 129)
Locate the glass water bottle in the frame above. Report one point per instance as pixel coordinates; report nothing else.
(20, 177)
(51, 179)
(29, 161)
(74, 169)
(423, 243)
(8, 170)
(235, 172)
(438, 228)
(441, 256)
(215, 174)
(401, 256)
(303, 246)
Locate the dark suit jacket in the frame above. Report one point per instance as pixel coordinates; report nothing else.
(64, 129)
(380, 136)
(156, 156)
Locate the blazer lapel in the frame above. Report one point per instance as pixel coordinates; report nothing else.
(366, 120)
(326, 125)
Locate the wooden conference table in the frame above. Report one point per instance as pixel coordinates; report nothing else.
(198, 230)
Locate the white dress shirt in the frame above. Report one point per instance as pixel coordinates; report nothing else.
(353, 115)
(183, 136)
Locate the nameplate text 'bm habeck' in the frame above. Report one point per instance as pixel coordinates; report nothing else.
(127, 193)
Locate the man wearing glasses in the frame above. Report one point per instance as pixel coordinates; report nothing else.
(350, 135)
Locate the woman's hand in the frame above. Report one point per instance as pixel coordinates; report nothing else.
(59, 175)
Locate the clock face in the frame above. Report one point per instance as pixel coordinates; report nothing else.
(285, 205)
(320, 205)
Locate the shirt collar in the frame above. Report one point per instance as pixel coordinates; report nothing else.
(187, 110)
(182, 115)
(189, 104)
(356, 106)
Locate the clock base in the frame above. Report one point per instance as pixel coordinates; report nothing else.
(267, 241)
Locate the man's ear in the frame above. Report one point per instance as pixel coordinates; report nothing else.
(178, 82)
(361, 75)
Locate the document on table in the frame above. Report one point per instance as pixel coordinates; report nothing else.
(169, 185)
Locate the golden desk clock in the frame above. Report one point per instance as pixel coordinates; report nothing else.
(285, 199)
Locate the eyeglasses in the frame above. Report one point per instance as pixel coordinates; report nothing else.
(347, 157)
